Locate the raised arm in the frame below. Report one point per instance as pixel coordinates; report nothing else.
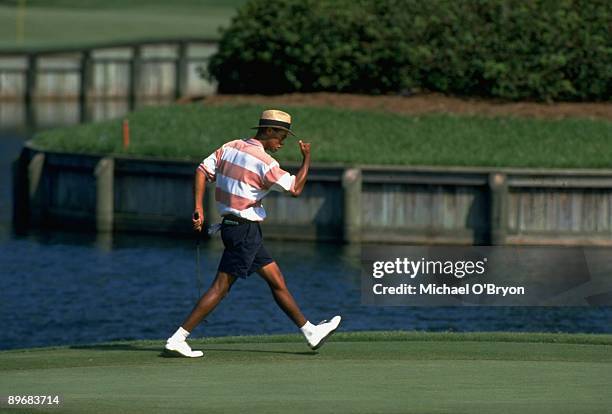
(300, 177)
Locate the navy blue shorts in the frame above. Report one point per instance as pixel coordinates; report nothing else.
(244, 250)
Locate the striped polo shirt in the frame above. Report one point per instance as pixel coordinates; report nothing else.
(244, 174)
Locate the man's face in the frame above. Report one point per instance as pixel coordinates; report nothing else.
(275, 142)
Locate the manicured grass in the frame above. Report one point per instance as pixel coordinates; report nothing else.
(353, 373)
(353, 137)
(64, 23)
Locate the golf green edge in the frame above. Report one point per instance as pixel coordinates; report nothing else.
(579, 338)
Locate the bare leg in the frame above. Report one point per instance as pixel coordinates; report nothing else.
(209, 300)
(272, 274)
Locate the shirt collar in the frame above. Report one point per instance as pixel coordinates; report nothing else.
(254, 141)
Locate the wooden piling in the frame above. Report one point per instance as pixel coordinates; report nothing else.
(351, 185)
(135, 76)
(85, 85)
(36, 194)
(21, 204)
(498, 189)
(181, 71)
(31, 76)
(105, 196)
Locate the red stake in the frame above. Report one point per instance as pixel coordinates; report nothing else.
(126, 134)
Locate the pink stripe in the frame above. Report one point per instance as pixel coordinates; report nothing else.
(234, 201)
(209, 175)
(218, 154)
(231, 170)
(253, 150)
(273, 176)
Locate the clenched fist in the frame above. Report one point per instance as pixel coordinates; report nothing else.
(304, 148)
(197, 220)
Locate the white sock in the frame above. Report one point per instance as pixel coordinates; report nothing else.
(180, 334)
(307, 329)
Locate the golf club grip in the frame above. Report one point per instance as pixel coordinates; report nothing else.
(196, 216)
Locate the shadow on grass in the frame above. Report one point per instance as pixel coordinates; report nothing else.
(262, 351)
(116, 347)
(163, 354)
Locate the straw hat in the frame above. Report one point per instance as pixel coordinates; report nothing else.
(273, 118)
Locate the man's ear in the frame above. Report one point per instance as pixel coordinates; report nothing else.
(267, 132)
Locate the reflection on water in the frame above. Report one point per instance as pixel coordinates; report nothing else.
(74, 288)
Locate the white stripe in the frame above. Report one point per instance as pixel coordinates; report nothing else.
(239, 188)
(246, 161)
(284, 183)
(210, 163)
(251, 213)
(210, 176)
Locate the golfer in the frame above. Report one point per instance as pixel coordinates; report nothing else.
(244, 173)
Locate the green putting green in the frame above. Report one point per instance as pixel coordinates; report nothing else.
(354, 373)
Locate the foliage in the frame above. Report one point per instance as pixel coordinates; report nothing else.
(510, 49)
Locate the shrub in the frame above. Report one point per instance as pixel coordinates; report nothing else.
(510, 49)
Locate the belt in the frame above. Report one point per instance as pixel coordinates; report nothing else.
(235, 220)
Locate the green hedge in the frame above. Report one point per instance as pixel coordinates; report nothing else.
(510, 49)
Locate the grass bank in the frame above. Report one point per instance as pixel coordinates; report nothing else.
(62, 23)
(354, 373)
(353, 137)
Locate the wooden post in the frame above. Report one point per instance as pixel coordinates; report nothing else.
(498, 189)
(30, 89)
(351, 184)
(181, 71)
(36, 196)
(135, 75)
(85, 85)
(105, 196)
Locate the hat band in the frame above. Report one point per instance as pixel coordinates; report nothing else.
(273, 123)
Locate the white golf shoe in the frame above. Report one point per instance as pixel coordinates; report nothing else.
(321, 332)
(181, 348)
